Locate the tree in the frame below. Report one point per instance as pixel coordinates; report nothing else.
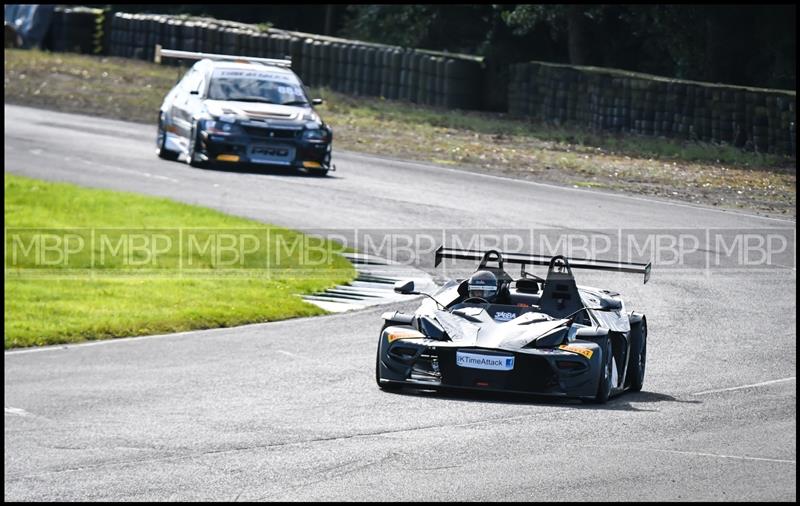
(572, 20)
(454, 28)
(738, 44)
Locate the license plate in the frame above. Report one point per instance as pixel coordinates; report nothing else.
(481, 361)
(270, 151)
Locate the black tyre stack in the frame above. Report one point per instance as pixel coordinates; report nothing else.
(77, 30)
(605, 99)
(619, 101)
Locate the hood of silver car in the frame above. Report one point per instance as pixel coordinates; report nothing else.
(259, 111)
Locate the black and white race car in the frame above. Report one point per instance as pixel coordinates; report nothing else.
(240, 109)
(545, 336)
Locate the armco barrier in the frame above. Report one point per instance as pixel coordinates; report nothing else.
(608, 99)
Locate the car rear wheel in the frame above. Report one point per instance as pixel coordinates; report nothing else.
(638, 354)
(604, 383)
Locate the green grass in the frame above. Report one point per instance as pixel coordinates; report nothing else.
(97, 290)
(698, 172)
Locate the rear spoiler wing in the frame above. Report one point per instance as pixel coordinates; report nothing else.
(532, 259)
(190, 55)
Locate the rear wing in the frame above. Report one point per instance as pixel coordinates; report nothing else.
(532, 259)
(189, 55)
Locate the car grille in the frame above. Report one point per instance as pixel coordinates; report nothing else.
(426, 368)
(531, 373)
(271, 133)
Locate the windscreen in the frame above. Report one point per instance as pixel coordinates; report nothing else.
(255, 86)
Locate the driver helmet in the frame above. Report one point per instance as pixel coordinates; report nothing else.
(483, 284)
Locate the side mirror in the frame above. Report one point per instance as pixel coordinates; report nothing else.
(405, 287)
(316, 101)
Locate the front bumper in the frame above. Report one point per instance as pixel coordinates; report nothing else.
(431, 364)
(283, 148)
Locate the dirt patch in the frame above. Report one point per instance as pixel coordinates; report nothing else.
(769, 191)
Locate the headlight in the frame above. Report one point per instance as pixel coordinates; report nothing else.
(317, 135)
(219, 127)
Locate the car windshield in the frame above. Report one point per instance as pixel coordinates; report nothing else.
(256, 89)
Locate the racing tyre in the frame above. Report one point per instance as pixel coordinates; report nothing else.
(638, 354)
(193, 158)
(318, 172)
(604, 384)
(382, 386)
(161, 144)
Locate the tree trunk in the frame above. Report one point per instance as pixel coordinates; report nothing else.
(576, 29)
(329, 18)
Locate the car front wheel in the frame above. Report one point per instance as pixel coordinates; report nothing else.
(318, 172)
(161, 143)
(604, 382)
(194, 155)
(638, 354)
(382, 386)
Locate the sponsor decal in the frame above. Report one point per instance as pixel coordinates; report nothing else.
(250, 74)
(575, 349)
(490, 362)
(404, 334)
(504, 316)
(482, 284)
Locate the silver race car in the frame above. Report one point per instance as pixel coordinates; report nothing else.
(240, 109)
(545, 336)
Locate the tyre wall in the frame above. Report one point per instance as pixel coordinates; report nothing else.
(761, 120)
(348, 66)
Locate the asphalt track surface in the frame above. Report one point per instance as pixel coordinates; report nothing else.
(290, 410)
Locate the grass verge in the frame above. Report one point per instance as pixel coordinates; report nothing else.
(83, 264)
(703, 173)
